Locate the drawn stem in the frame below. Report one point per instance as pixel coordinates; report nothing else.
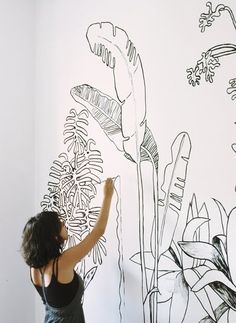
(231, 15)
(144, 284)
(222, 50)
(153, 296)
(120, 252)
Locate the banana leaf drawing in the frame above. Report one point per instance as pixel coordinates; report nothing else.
(74, 177)
(210, 59)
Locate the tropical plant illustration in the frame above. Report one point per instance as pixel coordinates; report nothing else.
(214, 267)
(172, 285)
(123, 120)
(74, 177)
(173, 268)
(210, 59)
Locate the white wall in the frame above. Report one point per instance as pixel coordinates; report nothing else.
(17, 155)
(168, 39)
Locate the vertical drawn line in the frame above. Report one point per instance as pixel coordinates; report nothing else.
(120, 252)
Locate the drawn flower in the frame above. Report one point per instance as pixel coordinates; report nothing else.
(232, 89)
(206, 19)
(193, 76)
(207, 64)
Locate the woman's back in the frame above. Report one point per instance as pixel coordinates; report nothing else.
(61, 293)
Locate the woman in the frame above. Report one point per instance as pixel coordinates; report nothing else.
(52, 270)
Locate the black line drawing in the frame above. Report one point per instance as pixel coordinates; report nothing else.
(119, 235)
(169, 208)
(171, 270)
(72, 187)
(123, 121)
(233, 146)
(210, 59)
(214, 267)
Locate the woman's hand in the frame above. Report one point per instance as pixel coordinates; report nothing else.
(108, 187)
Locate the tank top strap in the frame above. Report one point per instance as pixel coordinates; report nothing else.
(43, 285)
(55, 272)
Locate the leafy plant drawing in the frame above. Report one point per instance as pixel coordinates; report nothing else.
(72, 187)
(123, 120)
(210, 59)
(214, 268)
(173, 286)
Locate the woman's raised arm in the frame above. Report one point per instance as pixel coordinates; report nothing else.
(73, 255)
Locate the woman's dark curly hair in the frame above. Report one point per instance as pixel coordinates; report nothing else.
(41, 240)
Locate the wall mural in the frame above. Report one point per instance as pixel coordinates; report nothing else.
(172, 270)
(214, 267)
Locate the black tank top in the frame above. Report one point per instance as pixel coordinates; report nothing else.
(58, 294)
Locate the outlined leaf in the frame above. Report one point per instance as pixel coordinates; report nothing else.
(179, 301)
(223, 215)
(202, 250)
(204, 230)
(105, 110)
(192, 226)
(225, 293)
(220, 243)
(89, 276)
(192, 276)
(149, 150)
(232, 316)
(166, 285)
(173, 187)
(212, 276)
(192, 209)
(219, 312)
(75, 133)
(167, 262)
(149, 260)
(231, 243)
(197, 229)
(113, 45)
